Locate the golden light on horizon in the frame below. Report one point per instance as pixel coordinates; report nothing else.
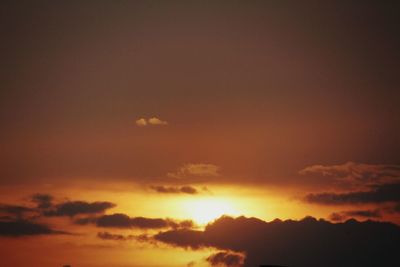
(206, 209)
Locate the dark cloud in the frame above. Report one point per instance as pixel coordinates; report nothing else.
(117, 237)
(377, 194)
(363, 213)
(341, 216)
(16, 228)
(396, 208)
(72, 208)
(120, 220)
(109, 236)
(226, 258)
(308, 242)
(14, 211)
(174, 189)
(43, 201)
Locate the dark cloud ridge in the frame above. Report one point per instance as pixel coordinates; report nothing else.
(308, 242)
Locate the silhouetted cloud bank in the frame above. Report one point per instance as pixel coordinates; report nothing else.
(17, 228)
(308, 242)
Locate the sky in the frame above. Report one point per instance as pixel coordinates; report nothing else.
(199, 133)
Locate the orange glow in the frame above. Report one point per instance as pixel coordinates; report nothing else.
(206, 209)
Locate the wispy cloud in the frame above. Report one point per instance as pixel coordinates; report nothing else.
(142, 122)
(120, 220)
(357, 174)
(174, 189)
(377, 194)
(195, 170)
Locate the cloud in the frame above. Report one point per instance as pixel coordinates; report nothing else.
(72, 208)
(185, 238)
(226, 258)
(16, 228)
(352, 173)
(109, 236)
(43, 201)
(142, 122)
(174, 189)
(377, 194)
(195, 170)
(120, 220)
(308, 242)
(157, 121)
(117, 237)
(14, 211)
(344, 215)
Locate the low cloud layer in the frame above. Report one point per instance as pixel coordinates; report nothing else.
(20, 220)
(308, 242)
(118, 237)
(120, 220)
(72, 208)
(376, 194)
(365, 184)
(18, 228)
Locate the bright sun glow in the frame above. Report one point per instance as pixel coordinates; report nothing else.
(205, 210)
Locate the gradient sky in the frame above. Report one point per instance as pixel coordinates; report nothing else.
(186, 110)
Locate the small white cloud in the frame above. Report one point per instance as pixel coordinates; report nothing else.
(195, 170)
(142, 122)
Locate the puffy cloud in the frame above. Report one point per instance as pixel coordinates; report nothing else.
(120, 220)
(308, 242)
(195, 170)
(16, 228)
(174, 189)
(141, 122)
(226, 258)
(157, 121)
(72, 208)
(377, 194)
(152, 121)
(356, 173)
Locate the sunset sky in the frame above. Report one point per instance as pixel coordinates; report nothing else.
(199, 133)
